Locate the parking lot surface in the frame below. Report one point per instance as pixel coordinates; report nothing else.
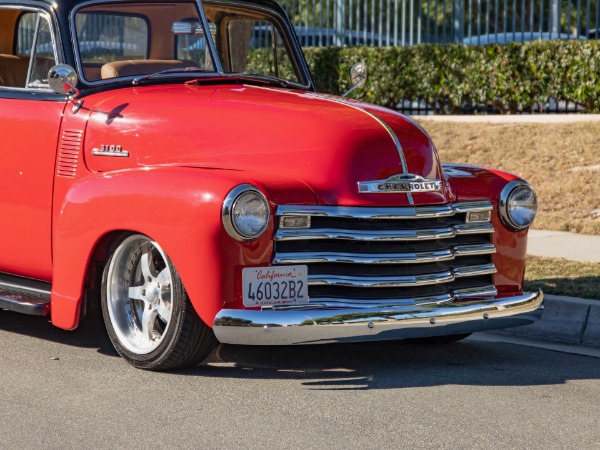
(69, 390)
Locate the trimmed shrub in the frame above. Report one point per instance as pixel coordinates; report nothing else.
(512, 78)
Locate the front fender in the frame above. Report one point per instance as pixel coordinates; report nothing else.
(469, 183)
(180, 208)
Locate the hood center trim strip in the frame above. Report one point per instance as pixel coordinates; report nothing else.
(368, 113)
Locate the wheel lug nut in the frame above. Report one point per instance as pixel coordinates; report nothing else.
(144, 292)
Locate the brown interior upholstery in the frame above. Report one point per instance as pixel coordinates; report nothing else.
(13, 70)
(141, 67)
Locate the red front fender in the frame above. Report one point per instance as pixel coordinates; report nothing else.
(180, 208)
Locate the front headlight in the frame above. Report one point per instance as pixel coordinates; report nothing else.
(245, 213)
(518, 205)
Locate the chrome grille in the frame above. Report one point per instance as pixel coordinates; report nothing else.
(373, 257)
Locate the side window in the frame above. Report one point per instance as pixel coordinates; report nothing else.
(257, 46)
(108, 37)
(193, 47)
(35, 51)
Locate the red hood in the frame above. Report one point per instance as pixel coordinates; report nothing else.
(328, 143)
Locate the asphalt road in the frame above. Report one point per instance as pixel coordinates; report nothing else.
(69, 390)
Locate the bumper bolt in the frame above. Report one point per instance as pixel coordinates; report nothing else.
(267, 328)
(486, 316)
(432, 321)
(370, 325)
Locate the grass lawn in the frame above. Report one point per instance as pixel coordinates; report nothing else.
(561, 161)
(563, 277)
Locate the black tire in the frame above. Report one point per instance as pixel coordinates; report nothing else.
(439, 340)
(147, 313)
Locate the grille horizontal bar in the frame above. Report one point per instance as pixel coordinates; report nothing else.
(371, 256)
(382, 235)
(382, 258)
(444, 276)
(413, 212)
(332, 302)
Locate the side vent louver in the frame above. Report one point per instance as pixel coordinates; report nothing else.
(68, 153)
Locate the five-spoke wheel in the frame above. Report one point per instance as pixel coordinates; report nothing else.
(146, 310)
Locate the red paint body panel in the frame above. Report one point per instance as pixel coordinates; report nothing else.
(172, 186)
(511, 247)
(178, 207)
(326, 144)
(28, 153)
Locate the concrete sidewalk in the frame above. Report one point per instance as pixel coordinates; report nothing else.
(559, 244)
(567, 320)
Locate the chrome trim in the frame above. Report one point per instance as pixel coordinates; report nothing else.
(381, 281)
(362, 258)
(367, 212)
(389, 130)
(446, 276)
(474, 271)
(321, 326)
(329, 302)
(299, 234)
(486, 291)
(110, 150)
(503, 204)
(364, 235)
(474, 228)
(475, 249)
(228, 205)
(403, 183)
(465, 207)
(383, 258)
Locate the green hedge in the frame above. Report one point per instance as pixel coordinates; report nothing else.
(514, 77)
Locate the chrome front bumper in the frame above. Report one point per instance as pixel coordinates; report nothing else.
(323, 326)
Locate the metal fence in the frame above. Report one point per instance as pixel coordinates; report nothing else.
(409, 22)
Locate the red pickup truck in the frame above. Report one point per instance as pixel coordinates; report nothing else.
(170, 164)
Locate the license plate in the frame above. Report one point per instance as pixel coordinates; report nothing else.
(271, 286)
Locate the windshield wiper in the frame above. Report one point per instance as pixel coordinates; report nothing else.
(137, 80)
(259, 77)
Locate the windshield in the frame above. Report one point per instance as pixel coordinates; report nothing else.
(137, 39)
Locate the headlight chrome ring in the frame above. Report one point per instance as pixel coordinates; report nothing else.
(518, 205)
(245, 213)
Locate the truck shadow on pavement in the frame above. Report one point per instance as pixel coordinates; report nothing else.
(399, 364)
(364, 366)
(90, 334)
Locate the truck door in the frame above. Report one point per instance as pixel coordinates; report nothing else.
(30, 116)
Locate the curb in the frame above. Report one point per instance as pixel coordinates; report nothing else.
(568, 320)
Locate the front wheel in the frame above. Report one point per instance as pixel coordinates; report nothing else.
(146, 310)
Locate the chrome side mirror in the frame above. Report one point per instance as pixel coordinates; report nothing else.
(62, 79)
(358, 77)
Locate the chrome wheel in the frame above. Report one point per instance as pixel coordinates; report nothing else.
(139, 294)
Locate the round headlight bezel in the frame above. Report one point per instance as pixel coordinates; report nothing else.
(229, 205)
(505, 197)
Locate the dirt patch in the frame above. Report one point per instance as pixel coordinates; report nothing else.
(560, 160)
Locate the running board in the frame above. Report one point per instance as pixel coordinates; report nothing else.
(24, 295)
